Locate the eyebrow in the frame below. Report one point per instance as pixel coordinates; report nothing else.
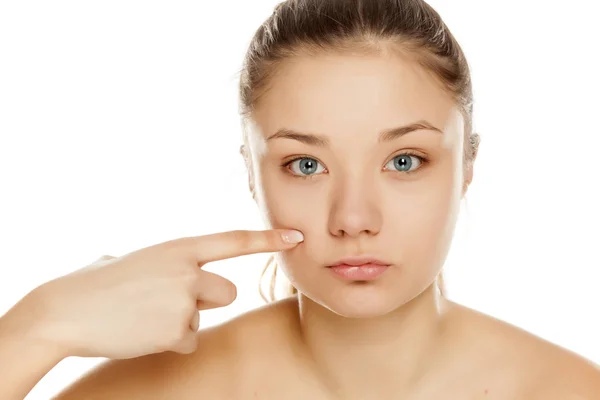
(384, 136)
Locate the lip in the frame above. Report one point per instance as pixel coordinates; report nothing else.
(359, 269)
(359, 260)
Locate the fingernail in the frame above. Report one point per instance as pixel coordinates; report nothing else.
(292, 236)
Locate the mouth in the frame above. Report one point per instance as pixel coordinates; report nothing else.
(363, 268)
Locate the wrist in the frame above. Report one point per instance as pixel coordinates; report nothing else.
(24, 325)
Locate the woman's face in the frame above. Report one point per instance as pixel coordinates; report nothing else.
(338, 172)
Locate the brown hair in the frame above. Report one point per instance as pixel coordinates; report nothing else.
(307, 27)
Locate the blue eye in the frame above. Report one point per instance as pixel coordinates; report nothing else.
(404, 163)
(305, 166)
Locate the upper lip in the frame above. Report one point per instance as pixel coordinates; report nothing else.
(359, 260)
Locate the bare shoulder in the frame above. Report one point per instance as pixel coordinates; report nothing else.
(541, 369)
(209, 372)
(156, 376)
(568, 377)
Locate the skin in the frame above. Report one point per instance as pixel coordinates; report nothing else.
(391, 338)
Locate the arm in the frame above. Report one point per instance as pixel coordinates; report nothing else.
(90, 313)
(24, 364)
(24, 359)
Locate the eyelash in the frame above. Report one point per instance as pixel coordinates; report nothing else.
(423, 161)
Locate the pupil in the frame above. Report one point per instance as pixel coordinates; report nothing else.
(307, 166)
(403, 163)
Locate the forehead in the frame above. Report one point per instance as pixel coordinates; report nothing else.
(340, 94)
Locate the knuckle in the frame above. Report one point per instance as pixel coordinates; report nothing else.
(103, 260)
(176, 335)
(242, 238)
(182, 331)
(189, 278)
(175, 245)
(273, 238)
(186, 305)
(190, 283)
(188, 348)
(175, 338)
(192, 344)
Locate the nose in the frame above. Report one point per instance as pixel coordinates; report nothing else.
(354, 210)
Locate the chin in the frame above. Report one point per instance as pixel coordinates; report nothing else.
(359, 300)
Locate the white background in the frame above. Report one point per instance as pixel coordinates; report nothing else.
(119, 130)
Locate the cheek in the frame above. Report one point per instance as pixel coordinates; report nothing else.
(285, 203)
(424, 218)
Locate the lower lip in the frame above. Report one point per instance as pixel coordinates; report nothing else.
(364, 272)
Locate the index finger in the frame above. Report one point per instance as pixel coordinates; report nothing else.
(223, 245)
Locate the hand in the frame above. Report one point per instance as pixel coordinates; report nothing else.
(146, 301)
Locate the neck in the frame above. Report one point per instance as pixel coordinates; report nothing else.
(363, 358)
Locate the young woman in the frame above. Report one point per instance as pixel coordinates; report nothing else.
(359, 147)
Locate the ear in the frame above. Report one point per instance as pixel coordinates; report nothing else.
(248, 162)
(468, 178)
